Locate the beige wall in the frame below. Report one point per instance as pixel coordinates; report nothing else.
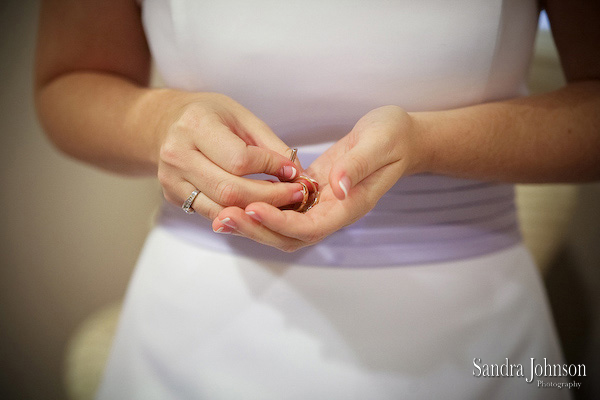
(70, 234)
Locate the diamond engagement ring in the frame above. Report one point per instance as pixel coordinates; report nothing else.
(187, 204)
(294, 153)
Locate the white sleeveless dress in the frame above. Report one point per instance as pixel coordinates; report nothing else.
(402, 304)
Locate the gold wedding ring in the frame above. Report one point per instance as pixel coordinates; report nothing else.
(311, 196)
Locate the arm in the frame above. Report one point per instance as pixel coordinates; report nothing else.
(92, 66)
(91, 75)
(553, 137)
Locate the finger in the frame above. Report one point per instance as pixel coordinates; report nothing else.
(222, 187)
(231, 190)
(310, 227)
(201, 204)
(365, 157)
(244, 150)
(319, 169)
(258, 133)
(234, 219)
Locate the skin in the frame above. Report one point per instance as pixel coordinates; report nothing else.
(94, 106)
(92, 70)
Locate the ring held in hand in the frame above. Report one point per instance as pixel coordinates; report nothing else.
(310, 189)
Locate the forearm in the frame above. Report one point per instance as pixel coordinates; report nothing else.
(554, 137)
(104, 119)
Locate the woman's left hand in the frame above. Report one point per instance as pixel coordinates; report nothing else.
(359, 168)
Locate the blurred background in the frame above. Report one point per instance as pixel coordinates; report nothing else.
(70, 235)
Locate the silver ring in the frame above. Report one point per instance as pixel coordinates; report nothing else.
(187, 204)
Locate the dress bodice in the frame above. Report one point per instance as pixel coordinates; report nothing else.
(310, 69)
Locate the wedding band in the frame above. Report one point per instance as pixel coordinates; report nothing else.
(306, 193)
(312, 201)
(187, 204)
(311, 196)
(313, 183)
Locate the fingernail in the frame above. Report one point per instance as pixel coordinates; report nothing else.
(289, 172)
(253, 215)
(229, 223)
(344, 185)
(298, 197)
(222, 230)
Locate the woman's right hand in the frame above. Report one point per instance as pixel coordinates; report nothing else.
(209, 142)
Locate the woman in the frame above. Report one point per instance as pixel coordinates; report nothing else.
(408, 278)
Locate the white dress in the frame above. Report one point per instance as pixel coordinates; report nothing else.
(406, 303)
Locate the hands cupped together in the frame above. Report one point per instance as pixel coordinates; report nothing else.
(353, 175)
(208, 142)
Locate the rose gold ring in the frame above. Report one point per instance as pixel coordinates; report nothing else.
(311, 196)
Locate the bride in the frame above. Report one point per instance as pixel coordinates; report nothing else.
(411, 124)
